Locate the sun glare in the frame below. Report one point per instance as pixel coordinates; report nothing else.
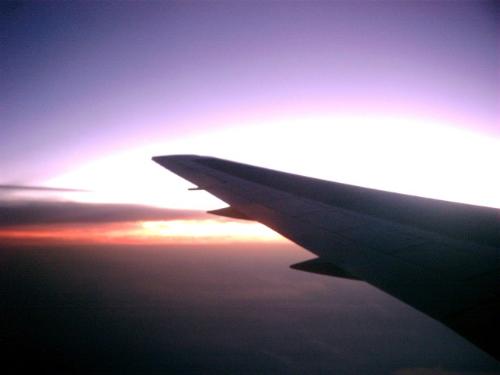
(414, 156)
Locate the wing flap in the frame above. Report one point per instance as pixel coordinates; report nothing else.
(319, 266)
(230, 212)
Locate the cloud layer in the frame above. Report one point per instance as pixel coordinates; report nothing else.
(22, 213)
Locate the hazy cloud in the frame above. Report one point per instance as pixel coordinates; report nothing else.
(219, 309)
(10, 187)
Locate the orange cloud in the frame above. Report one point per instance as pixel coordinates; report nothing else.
(64, 222)
(142, 232)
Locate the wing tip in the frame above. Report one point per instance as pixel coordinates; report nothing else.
(165, 160)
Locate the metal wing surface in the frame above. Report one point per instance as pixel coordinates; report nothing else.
(440, 257)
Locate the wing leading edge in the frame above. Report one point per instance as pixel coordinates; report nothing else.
(440, 257)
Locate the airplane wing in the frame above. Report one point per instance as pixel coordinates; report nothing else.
(440, 257)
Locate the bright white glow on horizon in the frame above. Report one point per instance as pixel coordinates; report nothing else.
(207, 230)
(411, 156)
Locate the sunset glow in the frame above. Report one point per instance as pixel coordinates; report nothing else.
(207, 230)
(147, 232)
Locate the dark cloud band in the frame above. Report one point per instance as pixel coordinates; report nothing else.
(59, 212)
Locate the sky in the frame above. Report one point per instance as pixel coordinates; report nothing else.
(398, 96)
(401, 96)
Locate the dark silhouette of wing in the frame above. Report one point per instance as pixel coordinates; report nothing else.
(440, 257)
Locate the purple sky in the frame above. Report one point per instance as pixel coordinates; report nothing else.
(81, 81)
